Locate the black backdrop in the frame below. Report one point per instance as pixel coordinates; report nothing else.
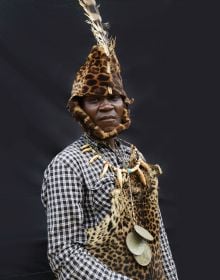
(42, 45)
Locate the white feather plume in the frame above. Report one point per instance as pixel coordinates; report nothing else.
(91, 10)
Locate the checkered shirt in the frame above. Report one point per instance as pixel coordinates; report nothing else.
(75, 198)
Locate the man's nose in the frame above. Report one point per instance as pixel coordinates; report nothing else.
(105, 105)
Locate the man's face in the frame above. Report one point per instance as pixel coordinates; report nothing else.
(105, 111)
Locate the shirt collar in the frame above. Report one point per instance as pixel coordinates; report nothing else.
(99, 143)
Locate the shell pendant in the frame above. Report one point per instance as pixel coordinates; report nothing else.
(137, 244)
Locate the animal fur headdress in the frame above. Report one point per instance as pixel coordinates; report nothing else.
(100, 75)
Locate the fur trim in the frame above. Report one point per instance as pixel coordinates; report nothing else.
(88, 125)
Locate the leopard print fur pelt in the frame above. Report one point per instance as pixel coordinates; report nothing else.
(107, 240)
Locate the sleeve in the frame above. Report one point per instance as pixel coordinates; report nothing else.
(168, 262)
(62, 196)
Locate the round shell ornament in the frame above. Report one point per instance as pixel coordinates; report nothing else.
(145, 258)
(144, 233)
(135, 243)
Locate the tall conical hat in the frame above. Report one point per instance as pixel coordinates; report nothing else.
(99, 75)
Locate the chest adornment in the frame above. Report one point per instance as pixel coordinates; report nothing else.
(128, 238)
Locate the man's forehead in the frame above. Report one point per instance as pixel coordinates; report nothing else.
(100, 96)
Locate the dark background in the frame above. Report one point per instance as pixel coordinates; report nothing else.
(164, 48)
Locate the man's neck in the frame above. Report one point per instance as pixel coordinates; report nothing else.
(110, 142)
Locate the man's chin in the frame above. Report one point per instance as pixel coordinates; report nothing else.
(108, 125)
(108, 129)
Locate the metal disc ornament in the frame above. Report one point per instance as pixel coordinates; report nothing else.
(145, 258)
(135, 243)
(144, 233)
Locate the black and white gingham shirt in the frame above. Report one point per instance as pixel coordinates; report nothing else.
(75, 199)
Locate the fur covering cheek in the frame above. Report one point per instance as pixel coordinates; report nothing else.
(89, 126)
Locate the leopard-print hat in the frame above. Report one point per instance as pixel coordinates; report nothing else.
(99, 75)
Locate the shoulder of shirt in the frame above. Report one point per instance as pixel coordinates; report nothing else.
(69, 156)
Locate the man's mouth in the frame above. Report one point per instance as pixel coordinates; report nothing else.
(106, 118)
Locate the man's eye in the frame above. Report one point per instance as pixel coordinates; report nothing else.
(114, 97)
(93, 100)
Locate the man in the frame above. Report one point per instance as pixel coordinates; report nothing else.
(100, 195)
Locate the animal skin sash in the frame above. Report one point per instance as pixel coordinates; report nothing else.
(107, 241)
